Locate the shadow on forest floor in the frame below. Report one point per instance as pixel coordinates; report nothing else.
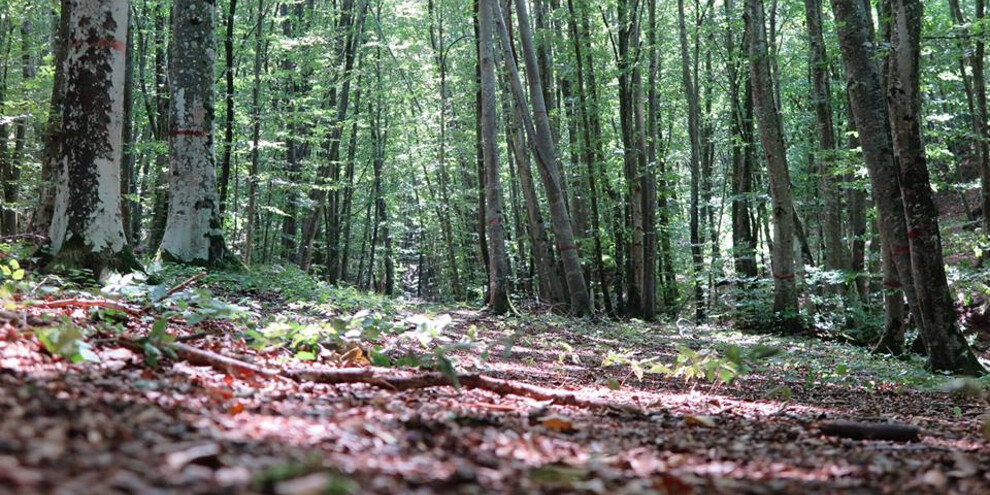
(121, 426)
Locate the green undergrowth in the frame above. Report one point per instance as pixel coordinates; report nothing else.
(280, 309)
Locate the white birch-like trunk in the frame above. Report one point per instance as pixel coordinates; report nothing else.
(193, 230)
(86, 229)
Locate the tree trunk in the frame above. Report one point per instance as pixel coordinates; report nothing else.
(821, 99)
(499, 263)
(252, 209)
(947, 349)
(86, 230)
(42, 218)
(590, 155)
(743, 239)
(630, 98)
(693, 111)
(193, 231)
(652, 157)
(228, 132)
(549, 167)
(771, 136)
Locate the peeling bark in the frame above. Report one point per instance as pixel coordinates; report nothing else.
(193, 229)
(87, 229)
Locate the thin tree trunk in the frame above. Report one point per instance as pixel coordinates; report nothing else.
(633, 154)
(42, 218)
(499, 264)
(771, 136)
(590, 156)
(821, 99)
(743, 241)
(252, 208)
(549, 166)
(228, 132)
(690, 90)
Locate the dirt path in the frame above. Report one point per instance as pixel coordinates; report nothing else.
(122, 427)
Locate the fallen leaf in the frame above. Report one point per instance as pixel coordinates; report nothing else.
(935, 478)
(558, 423)
(672, 485)
(697, 420)
(311, 484)
(236, 409)
(197, 453)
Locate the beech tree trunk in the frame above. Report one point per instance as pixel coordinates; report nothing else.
(41, 220)
(228, 131)
(743, 238)
(591, 157)
(634, 152)
(87, 230)
(771, 136)
(193, 230)
(252, 209)
(821, 100)
(498, 301)
(550, 170)
(694, 135)
(947, 349)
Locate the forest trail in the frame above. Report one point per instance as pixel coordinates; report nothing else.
(122, 426)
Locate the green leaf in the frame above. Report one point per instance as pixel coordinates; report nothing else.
(377, 357)
(305, 356)
(447, 368)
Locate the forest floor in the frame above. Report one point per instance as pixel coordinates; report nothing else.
(114, 423)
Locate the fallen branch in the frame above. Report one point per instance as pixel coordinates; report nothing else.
(895, 432)
(87, 303)
(199, 357)
(386, 378)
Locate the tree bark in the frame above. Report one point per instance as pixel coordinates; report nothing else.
(771, 136)
(743, 238)
(42, 217)
(821, 99)
(549, 167)
(498, 301)
(252, 209)
(228, 132)
(947, 349)
(87, 231)
(193, 230)
(634, 152)
(693, 111)
(589, 149)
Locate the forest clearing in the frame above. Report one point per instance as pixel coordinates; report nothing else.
(494, 246)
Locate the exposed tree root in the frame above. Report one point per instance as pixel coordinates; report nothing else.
(386, 378)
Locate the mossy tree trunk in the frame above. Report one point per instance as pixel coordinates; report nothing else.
(193, 230)
(87, 229)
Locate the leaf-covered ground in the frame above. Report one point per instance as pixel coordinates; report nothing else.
(116, 424)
